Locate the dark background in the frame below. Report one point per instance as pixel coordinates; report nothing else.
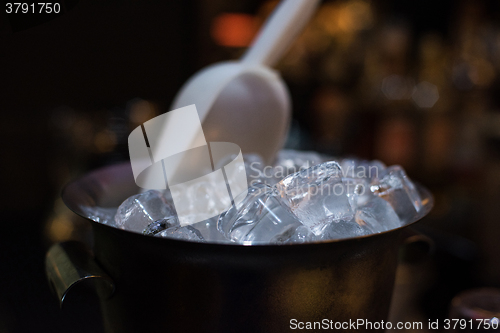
(72, 86)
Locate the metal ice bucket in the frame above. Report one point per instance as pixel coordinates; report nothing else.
(164, 285)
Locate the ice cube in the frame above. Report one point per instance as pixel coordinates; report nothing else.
(398, 190)
(344, 229)
(356, 168)
(140, 210)
(349, 166)
(358, 191)
(201, 201)
(100, 214)
(377, 215)
(157, 226)
(317, 196)
(300, 234)
(374, 168)
(292, 161)
(258, 218)
(254, 166)
(208, 230)
(184, 233)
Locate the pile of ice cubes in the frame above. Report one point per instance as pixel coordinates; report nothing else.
(303, 197)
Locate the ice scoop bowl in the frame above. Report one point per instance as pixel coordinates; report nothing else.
(245, 101)
(166, 285)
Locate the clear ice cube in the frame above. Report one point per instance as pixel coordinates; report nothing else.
(374, 168)
(356, 168)
(254, 166)
(344, 229)
(358, 191)
(317, 196)
(396, 188)
(258, 218)
(300, 234)
(291, 161)
(377, 215)
(185, 233)
(349, 166)
(201, 201)
(336, 230)
(100, 214)
(157, 226)
(140, 210)
(208, 230)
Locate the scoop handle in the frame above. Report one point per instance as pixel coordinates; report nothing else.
(279, 31)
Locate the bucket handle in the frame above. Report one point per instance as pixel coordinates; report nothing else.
(67, 264)
(416, 246)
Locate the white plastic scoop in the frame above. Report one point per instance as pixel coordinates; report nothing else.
(245, 102)
(242, 102)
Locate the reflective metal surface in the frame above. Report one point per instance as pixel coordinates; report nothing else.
(167, 285)
(70, 263)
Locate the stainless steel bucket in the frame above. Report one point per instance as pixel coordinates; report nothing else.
(164, 285)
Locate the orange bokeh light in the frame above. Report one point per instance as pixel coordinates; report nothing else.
(234, 29)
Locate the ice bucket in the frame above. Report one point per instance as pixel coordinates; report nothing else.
(155, 284)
